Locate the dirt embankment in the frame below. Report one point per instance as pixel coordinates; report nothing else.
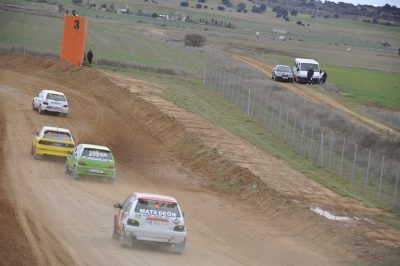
(243, 207)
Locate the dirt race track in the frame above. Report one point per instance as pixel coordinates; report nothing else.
(47, 218)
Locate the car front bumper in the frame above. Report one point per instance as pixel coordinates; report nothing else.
(155, 235)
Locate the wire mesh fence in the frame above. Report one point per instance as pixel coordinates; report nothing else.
(368, 171)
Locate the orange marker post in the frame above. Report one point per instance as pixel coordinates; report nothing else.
(74, 39)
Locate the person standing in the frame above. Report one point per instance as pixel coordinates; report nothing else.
(89, 56)
(310, 74)
(324, 77)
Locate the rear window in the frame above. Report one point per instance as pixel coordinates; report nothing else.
(96, 154)
(55, 97)
(284, 69)
(157, 208)
(57, 135)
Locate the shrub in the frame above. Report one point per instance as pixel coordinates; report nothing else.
(221, 8)
(198, 5)
(195, 40)
(185, 4)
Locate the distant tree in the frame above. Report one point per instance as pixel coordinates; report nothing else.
(76, 2)
(336, 15)
(195, 40)
(227, 3)
(205, 6)
(185, 4)
(112, 7)
(198, 5)
(220, 8)
(293, 12)
(241, 7)
(263, 7)
(201, 1)
(255, 9)
(154, 15)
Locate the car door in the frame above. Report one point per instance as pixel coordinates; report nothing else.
(37, 100)
(122, 213)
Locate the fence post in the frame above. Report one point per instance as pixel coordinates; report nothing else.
(367, 174)
(395, 189)
(380, 179)
(272, 115)
(294, 130)
(310, 144)
(25, 43)
(248, 104)
(287, 118)
(302, 134)
(330, 152)
(279, 121)
(354, 165)
(321, 150)
(341, 161)
(242, 100)
(204, 73)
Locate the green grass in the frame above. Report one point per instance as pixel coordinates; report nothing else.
(367, 86)
(192, 95)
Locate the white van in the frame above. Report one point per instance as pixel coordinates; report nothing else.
(300, 68)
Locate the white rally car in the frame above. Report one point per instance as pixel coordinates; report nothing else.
(51, 101)
(152, 218)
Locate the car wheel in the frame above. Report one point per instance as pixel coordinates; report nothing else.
(32, 150)
(40, 109)
(75, 173)
(115, 234)
(67, 171)
(180, 247)
(124, 240)
(33, 106)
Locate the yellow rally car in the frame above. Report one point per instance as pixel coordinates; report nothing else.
(53, 141)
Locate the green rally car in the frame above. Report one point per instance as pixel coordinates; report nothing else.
(88, 159)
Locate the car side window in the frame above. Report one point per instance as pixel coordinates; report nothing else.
(127, 203)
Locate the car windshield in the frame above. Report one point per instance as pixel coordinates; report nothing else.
(307, 66)
(55, 97)
(283, 69)
(97, 154)
(51, 134)
(157, 208)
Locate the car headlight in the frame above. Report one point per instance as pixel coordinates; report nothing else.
(179, 228)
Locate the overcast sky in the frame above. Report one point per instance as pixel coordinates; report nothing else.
(370, 2)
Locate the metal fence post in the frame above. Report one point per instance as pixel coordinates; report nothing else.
(395, 188)
(341, 161)
(302, 134)
(354, 165)
(310, 144)
(330, 152)
(287, 118)
(367, 174)
(380, 179)
(294, 129)
(321, 150)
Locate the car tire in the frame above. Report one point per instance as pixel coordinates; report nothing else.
(75, 173)
(124, 240)
(115, 235)
(180, 247)
(40, 111)
(33, 106)
(32, 150)
(67, 171)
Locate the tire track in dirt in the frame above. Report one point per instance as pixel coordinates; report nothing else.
(317, 97)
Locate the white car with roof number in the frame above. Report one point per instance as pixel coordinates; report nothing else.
(151, 218)
(50, 101)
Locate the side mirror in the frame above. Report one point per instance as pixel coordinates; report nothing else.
(117, 205)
